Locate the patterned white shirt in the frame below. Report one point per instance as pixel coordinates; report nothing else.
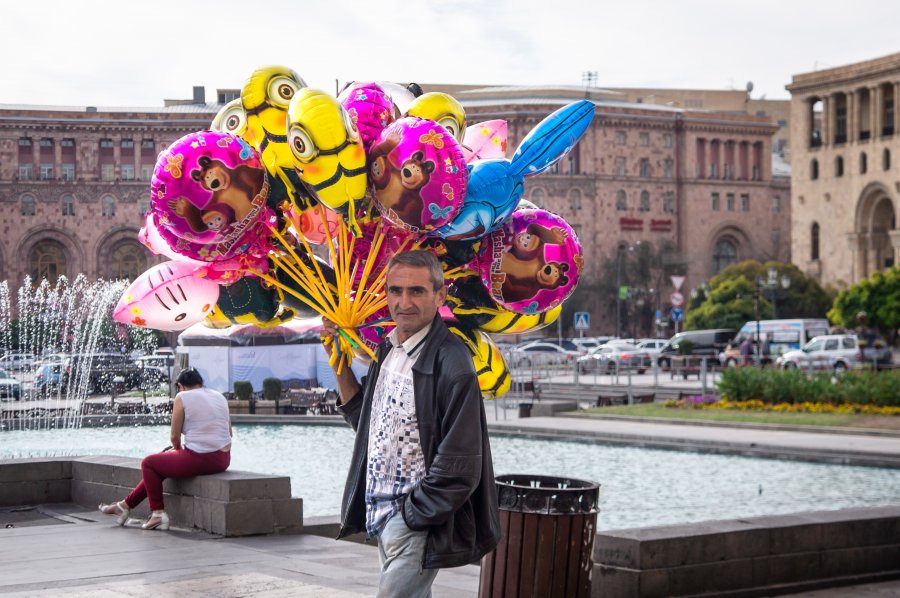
(396, 464)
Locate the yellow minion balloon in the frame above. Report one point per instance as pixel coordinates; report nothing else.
(231, 119)
(443, 109)
(265, 99)
(493, 374)
(327, 152)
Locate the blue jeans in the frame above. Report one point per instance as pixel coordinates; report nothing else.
(401, 551)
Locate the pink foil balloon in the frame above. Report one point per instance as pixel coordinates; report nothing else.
(169, 296)
(485, 140)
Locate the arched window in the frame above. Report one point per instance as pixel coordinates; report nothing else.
(537, 197)
(863, 163)
(575, 199)
(47, 260)
(68, 205)
(108, 206)
(28, 205)
(839, 166)
(724, 254)
(128, 261)
(814, 241)
(645, 201)
(886, 159)
(621, 200)
(814, 169)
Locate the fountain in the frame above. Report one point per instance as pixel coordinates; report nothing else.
(63, 322)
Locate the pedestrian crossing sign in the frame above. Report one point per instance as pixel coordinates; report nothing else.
(582, 320)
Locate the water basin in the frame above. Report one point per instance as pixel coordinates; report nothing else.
(639, 486)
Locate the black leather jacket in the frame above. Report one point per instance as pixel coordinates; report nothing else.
(457, 500)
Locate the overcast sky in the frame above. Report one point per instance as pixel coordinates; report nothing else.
(135, 53)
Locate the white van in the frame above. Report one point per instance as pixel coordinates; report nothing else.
(785, 335)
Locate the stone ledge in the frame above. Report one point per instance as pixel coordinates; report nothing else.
(231, 503)
(754, 555)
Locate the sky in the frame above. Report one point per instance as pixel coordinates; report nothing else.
(136, 53)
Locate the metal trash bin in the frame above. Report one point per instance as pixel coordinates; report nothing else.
(524, 409)
(547, 538)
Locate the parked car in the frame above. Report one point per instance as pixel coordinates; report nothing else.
(540, 354)
(103, 369)
(156, 368)
(16, 362)
(704, 343)
(836, 352)
(48, 376)
(10, 388)
(567, 344)
(651, 346)
(611, 357)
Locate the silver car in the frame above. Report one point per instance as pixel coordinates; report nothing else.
(10, 388)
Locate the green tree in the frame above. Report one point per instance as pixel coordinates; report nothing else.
(731, 298)
(878, 296)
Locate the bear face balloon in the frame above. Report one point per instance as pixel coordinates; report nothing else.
(418, 173)
(532, 263)
(208, 196)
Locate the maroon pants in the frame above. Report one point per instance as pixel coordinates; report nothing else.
(183, 463)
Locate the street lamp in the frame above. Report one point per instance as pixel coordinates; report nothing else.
(769, 285)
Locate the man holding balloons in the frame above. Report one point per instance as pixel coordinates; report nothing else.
(421, 478)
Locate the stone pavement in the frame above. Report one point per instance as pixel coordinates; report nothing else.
(84, 554)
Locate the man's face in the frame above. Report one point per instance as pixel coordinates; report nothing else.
(411, 300)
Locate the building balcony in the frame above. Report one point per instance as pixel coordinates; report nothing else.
(864, 135)
(839, 139)
(887, 131)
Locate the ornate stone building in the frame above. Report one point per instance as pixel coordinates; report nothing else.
(845, 146)
(74, 182)
(643, 173)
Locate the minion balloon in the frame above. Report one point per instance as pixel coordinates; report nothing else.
(443, 109)
(265, 99)
(327, 151)
(231, 119)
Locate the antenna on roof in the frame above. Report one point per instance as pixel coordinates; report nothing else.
(589, 78)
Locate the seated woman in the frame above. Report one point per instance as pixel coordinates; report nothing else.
(201, 415)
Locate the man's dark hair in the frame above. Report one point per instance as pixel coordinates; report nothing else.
(190, 377)
(420, 259)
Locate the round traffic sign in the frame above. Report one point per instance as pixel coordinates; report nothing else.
(677, 299)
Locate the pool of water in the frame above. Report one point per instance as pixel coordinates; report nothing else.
(639, 486)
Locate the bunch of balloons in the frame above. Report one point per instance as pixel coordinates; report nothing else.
(240, 209)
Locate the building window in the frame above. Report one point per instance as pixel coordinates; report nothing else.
(840, 118)
(144, 205)
(667, 140)
(28, 205)
(128, 261)
(669, 202)
(570, 164)
(644, 139)
(47, 157)
(127, 144)
(714, 170)
(745, 202)
(621, 166)
(621, 200)
(68, 205)
(26, 159)
(887, 95)
(47, 260)
(729, 202)
(575, 199)
(814, 169)
(537, 197)
(226, 95)
(645, 167)
(715, 202)
(108, 206)
(839, 166)
(667, 168)
(645, 201)
(814, 241)
(776, 204)
(25, 172)
(67, 159)
(46, 172)
(620, 138)
(863, 163)
(127, 172)
(724, 254)
(886, 159)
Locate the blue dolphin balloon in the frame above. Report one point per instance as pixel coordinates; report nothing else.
(495, 186)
